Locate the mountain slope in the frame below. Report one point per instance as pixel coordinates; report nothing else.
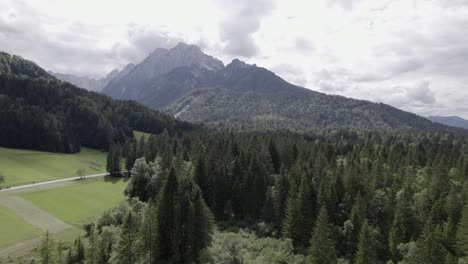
(38, 111)
(453, 121)
(245, 95)
(85, 82)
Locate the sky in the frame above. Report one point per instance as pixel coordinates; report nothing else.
(411, 54)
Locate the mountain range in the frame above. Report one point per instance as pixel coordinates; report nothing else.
(193, 86)
(453, 121)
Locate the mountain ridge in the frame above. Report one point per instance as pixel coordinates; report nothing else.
(248, 96)
(454, 121)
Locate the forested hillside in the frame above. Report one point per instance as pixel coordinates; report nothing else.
(37, 111)
(330, 197)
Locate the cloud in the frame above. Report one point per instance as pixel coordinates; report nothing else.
(388, 70)
(243, 20)
(293, 74)
(345, 4)
(332, 81)
(422, 94)
(141, 41)
(71, 47)
(304, 45)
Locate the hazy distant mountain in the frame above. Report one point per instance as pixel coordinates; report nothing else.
(196, 87)
(85, 82)
(453, 121)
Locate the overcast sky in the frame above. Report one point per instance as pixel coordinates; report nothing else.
(410, 54)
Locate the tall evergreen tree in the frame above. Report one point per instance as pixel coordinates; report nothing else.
(149, 233)
(462, 235)
(47, 250)
(322, 246)
(114, 159)
(366, 252)
(168, 217)
(127, 252)
(398, 231)
(300, 214)
(429, 249)
(275, 158)
(93, 254)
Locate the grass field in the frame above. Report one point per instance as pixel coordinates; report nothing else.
(14, 229)
(80, 203)
(138, 134)
(25, 166)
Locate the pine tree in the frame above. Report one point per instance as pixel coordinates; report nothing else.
(149, 232)
(357, 217)
(398, 231)
(429, 249)
(300, 214)
(114, 159)
(108, 240)
(80, 251)
(127, 252)
(130, 154)
(141, 150)
(168, 217)
(462, 235)
(366, 253)
(47, 250)
(93, 249)
(275, 158)
(322, 246)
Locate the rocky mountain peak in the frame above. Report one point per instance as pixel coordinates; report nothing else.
(238, 64)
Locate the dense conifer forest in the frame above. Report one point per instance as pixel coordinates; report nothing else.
(40, 112)
(328, 197)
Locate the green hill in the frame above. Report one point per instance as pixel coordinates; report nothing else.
(38, 111)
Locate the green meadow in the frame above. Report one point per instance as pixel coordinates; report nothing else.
(139, 134)
(21, 166)
(14, 229)
(80, 203)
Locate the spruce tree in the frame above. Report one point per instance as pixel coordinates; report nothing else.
(93, 248)
(398, 231)
(462, 235)
(47, 250)
(366, 252)
(168, 217)
(149, 233)
(275, 158)
(114, 158)
(299, 215)
(429, 249)
(127, 252)
(322, 246)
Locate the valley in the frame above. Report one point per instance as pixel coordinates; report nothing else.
(182, 158)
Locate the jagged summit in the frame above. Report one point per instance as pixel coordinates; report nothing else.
(185, 46)
(161, 61)
(238, 64)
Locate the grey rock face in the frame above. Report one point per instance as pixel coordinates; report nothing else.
(159, 62)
